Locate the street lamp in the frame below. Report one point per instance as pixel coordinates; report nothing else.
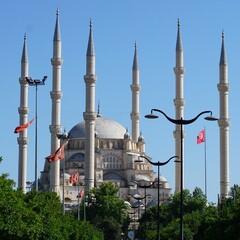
(36, 83)
(29, 185)
(145, 186)
(139, 204)
(181, 122)
(158, 164)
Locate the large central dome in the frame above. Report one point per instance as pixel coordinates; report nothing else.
(105, 128)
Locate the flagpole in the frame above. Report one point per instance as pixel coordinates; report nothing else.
(205, 147)
(63, 194)
(78, 201)
(84, 202)
(36, 139)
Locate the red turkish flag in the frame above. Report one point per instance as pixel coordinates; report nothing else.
(81, 194)
(201, 137)
(58, 155)
(21, 128)
(74, 177)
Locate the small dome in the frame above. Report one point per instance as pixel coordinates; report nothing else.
(105, 128)
(137, 196)
(151, 204)
(127, 135)
(138, 203)
(161, 179)
(141, 138)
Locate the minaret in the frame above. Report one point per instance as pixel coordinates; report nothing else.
(23, 118)
(90, 114)
(135, 87)
(179, 108)
(56, 95)
(223, 123)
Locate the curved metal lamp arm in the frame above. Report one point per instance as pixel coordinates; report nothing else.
(144, 186)
(138, 198)
(158, 163)
(181, 121)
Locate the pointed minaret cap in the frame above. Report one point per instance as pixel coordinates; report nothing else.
(179, 41)
(24, 52)
(135, 59)
(223, 56)
(57, 35)
(90, 49)
(98, 111)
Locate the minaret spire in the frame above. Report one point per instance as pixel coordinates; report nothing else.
(223, 56)
(56, 96)
(23, 118)
(223, 122)
(90, 114)
(57, 35)
(179, 40)
(135, 87)
(179, 108)
(90, 49)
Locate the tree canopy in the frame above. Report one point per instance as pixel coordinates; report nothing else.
(106, 210)
(38, 215)
(201, 220)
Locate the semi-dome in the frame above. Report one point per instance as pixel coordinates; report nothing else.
(142, 178)
(161, 179)
(105, 128)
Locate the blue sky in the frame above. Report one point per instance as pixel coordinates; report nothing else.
(116, 27)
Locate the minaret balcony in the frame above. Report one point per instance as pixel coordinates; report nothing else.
(223, 87)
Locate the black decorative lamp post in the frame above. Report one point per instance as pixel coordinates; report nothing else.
(35, 83)
(158, 164)
(181, 122)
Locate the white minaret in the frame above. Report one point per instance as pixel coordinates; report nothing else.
(90, 115)
(179, 109)
(56, 95)
(135, 87)
(23, 118)
(223, 122)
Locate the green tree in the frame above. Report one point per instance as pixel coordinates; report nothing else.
(194, 206)
(224, 222)
(38, 216)
(106, 210)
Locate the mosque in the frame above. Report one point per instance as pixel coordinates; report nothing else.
(102, 150)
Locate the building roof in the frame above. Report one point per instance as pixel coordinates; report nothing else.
(104, 128)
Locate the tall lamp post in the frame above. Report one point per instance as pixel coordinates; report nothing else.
(139, 204)
(181, 122)
(158, 164)
(36, 83)
(145, 186)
